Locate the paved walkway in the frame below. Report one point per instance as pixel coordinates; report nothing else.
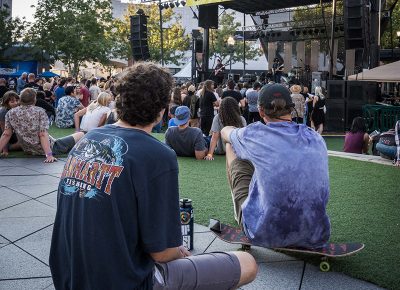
(27, 210)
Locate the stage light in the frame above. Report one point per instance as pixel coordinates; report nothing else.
(183, 3)
(172, 5)
(177, 4)
(316, 31)
(322, 30)
(310, 32)
(292, 32)
(166, 6)
(304, 32)
(273, 34)
(160, 6)
(298, 32)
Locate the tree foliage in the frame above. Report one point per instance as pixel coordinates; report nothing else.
(219, 41)
(390, 37)
(73, 31)
(175, 40)
(11, 31)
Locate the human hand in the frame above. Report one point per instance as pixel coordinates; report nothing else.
(209, 157)
(50, 159)
(184, 251)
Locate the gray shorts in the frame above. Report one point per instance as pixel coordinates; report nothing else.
(63, 145)
(209, 271)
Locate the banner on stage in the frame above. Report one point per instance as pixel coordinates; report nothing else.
(203, 2)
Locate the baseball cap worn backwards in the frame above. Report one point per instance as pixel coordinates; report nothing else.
(274, 91)
(182, 115)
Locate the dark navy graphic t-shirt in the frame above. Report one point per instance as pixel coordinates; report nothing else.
(117, 202)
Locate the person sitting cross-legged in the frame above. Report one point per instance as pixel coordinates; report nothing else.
(184, 140)
(30, 124)
(278, 202)
(117, 225)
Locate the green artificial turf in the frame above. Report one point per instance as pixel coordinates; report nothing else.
(364, 207)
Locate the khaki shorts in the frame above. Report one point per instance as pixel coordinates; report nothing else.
(209, 271)
(239, 176)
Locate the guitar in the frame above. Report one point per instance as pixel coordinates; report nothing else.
(217, 71)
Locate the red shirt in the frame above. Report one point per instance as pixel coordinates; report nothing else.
(85, 96)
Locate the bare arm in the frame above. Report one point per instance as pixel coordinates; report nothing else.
(243, 103)
(170, 254)
(366, 143)
(45, 143)
(77, 115)
(5, 138)
(200, 154)
(226, 133)
(213, 144)
(102, 120)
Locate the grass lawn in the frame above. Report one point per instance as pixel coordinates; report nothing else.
(364, 207)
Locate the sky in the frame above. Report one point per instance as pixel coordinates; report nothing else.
(23, 8)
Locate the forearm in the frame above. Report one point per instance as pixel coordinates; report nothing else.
(167, 255)
(45, 143)
(76, 121)
(213, 143)
(4, 139)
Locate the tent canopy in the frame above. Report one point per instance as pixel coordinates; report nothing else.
(49, 74)
(385, 73)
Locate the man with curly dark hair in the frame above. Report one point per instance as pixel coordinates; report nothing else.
(117, 224)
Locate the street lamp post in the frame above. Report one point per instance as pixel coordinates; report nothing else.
(231, 47)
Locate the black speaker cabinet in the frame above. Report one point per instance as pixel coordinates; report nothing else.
(335, 117)
(355, 23)
(336, 90)
(140, 48)
(208, 16)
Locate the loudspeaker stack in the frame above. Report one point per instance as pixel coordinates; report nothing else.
(139, 44)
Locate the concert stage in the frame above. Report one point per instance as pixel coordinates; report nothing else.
(256, 6)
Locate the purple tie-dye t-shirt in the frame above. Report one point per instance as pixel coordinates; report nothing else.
(289, 190)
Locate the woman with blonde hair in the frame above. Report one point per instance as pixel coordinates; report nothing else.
(95, 114)
(298, 100)
(318, 113)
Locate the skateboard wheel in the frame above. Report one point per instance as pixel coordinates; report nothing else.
(324, 266)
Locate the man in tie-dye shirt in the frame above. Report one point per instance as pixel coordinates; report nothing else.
(278, 174)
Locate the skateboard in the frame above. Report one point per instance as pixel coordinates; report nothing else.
(234, 235)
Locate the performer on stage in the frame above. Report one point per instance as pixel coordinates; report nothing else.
(277, 69)
(219, 72)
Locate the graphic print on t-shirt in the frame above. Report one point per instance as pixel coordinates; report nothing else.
(93, 165)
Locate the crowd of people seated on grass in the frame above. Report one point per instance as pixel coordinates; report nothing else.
(88, 104)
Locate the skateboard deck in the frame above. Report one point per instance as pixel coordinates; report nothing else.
(234, 235)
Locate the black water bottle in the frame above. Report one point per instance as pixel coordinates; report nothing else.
(187, 222)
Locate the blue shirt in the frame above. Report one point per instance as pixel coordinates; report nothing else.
(118, 201)
(59, 93)
(289, 190)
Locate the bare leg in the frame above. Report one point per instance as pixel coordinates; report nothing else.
(248, 267)
(77, 136)
(320, 129)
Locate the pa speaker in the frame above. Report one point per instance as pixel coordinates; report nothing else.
(208, 16)
(140, 48)
(355, 23)
(335, 115)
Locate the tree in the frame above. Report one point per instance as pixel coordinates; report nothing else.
(219, 41)
(389, 36)
(175, 40)
(73, 31)
(11, 31)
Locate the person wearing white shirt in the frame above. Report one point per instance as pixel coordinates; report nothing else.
(94, 90)
(95, 114)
